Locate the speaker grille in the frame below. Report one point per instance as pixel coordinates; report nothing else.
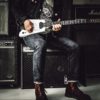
(8, 62)
(26, 71)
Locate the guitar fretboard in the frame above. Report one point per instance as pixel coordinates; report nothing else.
(80, 21)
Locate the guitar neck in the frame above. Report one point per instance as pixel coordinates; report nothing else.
(79, 21)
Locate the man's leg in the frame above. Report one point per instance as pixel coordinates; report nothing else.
(72, 69)
(38, 44)
(72, 53)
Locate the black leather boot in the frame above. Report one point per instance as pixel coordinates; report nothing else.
(40, 92)
(73, 91)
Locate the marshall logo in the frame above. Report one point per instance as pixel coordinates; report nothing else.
(94, 12)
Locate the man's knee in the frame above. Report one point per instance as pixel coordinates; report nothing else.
(40, 44)
(74, 46)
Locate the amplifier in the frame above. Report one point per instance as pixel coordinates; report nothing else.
(88, 33)
(8, 62)
(88, 37)
(56, 62)
(90, 11)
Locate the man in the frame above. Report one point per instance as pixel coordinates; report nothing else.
(25, 10)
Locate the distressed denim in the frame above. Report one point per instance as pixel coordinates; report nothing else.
(40, 43)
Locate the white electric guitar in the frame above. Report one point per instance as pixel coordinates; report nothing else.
(43, 26)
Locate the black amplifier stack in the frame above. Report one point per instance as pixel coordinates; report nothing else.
(8, 62)
(88, 35)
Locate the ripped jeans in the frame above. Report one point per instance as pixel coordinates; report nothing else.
(39, 44)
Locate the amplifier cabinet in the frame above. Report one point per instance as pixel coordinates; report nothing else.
(87, 11)
(56, 62)
(88, 37)
(88, 33)
(26, 68)
(8, 62)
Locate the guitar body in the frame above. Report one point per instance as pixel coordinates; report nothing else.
(38, 28)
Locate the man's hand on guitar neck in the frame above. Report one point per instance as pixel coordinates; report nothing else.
(28, 25)
(57, 26)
